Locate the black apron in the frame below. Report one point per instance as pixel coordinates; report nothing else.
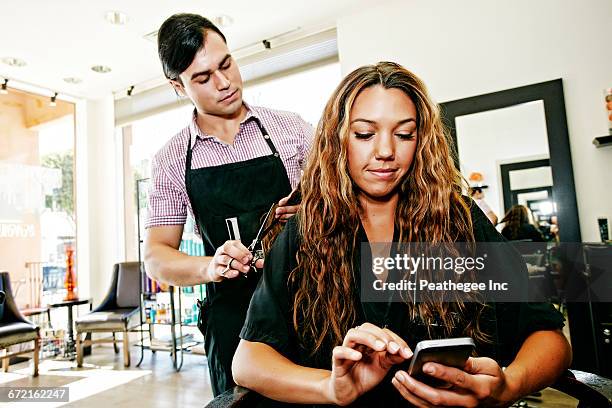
(243, 190)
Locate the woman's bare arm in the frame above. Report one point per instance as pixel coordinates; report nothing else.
(260, 368)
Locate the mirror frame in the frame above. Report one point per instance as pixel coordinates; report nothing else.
(508, 192)
(551, 93)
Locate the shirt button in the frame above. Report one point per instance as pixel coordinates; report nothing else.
(266, 136)
(276, 154)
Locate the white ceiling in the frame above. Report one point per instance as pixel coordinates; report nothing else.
(65, 38)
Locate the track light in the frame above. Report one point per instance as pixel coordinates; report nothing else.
(53, 98)
(130, 90)
(4, 89)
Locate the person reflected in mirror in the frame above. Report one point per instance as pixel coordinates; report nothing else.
(518, 225)
(477, 195)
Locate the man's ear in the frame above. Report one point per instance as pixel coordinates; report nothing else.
(178, 87)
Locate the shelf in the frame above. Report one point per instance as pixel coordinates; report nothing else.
(603, 141)
(173, 306)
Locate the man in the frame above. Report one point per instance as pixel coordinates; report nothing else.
(227, 168)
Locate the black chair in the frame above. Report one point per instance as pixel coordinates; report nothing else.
(541, 282)
(591, 391)
(117, 313)
(598, 277)
(14, 328)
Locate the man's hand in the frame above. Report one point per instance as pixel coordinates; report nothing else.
(283, 211)
(481, 383)
(366, 355)
(230, 260)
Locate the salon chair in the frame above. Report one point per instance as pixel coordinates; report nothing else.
(118, 312)
(591, 391)
(541, 282)
(14, 328)
(597, 274)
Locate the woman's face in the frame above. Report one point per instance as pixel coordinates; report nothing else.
(382, 140)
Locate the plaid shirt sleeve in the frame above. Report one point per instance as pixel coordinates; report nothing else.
(306, 136)
(167, 199)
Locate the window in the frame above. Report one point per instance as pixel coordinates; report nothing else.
(37, 216)
(305, 92)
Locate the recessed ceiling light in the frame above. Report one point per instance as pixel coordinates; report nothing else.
(101, 69)
(223, 20)
(116, 17)
(73, 80)
(14, 62)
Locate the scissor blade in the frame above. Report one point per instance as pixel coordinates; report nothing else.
(261, 229)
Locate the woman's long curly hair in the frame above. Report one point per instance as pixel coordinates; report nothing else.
(514, 219)
(430, 209)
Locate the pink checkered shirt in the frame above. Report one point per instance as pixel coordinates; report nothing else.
(168, 200)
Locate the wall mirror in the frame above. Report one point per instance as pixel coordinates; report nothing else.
(517, 140)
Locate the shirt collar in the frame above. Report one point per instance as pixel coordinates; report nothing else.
(197, 133)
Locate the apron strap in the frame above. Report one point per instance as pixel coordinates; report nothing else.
(266, 136)
(188, 158)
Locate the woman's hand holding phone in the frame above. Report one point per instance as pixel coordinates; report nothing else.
(362, 361)
(482, 382)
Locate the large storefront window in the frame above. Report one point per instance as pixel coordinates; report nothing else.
(37, 215)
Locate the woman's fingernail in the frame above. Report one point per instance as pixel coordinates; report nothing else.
(428, 368)
(400, 376)
(408, 352)
(379, 344)
(393, 347)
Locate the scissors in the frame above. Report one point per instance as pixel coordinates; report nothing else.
(255, 247)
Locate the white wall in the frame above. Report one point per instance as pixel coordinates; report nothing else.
(471, 47)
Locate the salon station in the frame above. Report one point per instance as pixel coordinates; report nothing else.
(142, 145)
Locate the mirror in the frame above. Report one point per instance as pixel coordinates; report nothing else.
(513, 148)
(517, 140)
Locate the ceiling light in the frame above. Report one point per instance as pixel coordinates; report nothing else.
(116, 17)
(3, 89)
(101, 69)
(222, 20)
(130, 90)
(73, 80)
(14, 62)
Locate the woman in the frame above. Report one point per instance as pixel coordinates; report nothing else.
(517, 225)
(380, 171)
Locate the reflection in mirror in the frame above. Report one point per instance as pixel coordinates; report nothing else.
(504, 155)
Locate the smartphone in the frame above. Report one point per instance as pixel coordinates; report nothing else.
(448, 352)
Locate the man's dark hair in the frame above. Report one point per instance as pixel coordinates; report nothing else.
(179, 38)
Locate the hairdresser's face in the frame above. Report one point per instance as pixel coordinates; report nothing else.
(212, 81)
(382, 140)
